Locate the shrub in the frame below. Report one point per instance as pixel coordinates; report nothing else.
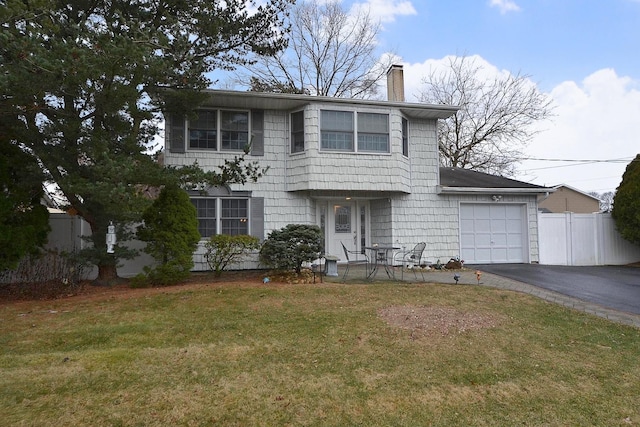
(223, 250)
(171, 232)
(291, 246)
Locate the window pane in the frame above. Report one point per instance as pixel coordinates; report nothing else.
(234, 219)
(206, 213)
(373, 132)
(371, 142)
(336, 130)
(203, 130)
(234, 129)
(342, 219)
(297, 132)
(337, 141)
(337, 120)
(373, 123)
(405, 137)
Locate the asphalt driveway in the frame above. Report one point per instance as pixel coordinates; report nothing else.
(614, 287)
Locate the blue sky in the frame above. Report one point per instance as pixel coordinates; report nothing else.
(585, 54)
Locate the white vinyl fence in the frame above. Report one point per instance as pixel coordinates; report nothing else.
(583, 239)
(66, 235)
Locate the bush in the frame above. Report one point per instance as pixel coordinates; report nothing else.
(291, 246)
(171, 232)
(46, 275)
(223, 250)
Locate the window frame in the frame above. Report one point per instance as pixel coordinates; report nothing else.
(241, 224)
(336, 130)
(357, 144)
(220, 132)
(360, 115)
(405, 136)
(296, 147)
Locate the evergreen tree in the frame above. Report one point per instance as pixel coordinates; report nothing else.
(626, 203)
(171, 232)
(24, 221)
(83, 85)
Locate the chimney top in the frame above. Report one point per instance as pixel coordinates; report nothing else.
(395, 83)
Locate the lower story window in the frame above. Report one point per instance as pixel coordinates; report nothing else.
(207, 216)
(230, 216)
(234, 217)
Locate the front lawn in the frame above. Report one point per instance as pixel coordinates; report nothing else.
(254, 354)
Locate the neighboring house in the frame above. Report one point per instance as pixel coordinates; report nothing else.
(366, 172)
(568, 199)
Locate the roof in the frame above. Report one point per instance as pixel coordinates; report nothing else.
(458, 180)
(557, 187)
(289, 101)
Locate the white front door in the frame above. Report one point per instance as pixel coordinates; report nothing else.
(346, 224)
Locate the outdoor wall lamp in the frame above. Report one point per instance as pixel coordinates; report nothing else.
(496, 198)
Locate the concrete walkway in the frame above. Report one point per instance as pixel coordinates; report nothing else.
(468, 277)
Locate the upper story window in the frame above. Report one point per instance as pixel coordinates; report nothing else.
(297, 132)
(373, 132)
(338, 131)
(203, 130)
(233, 129)
(405, 137)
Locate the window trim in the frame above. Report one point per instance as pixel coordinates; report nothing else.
(219, 131)
(219, 213)
(295, 132)
(405, 136)
(354, 133)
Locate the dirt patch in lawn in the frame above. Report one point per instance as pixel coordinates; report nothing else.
(436, 321)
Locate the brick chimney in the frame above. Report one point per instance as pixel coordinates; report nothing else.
(395, 84)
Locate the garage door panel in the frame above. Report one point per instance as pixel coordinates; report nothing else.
(493, 233)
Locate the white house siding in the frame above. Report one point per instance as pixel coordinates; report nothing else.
(423, 215)
(325, 170)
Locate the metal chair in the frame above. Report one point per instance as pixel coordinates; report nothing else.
(356, 261)
(411, 257)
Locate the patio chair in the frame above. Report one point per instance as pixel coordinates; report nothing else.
(354, 261)
(411, 259)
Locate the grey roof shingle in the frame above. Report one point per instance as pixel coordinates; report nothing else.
(466, 178)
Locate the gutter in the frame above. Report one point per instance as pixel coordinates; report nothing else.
(482, 190)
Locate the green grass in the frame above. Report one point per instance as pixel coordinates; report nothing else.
(312, 355)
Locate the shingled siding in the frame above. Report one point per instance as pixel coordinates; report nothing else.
(314, 169)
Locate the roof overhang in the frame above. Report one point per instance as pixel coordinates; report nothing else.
(289, 102)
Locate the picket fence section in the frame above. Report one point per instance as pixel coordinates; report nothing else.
(583, 239)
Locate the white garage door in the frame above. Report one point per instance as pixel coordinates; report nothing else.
(493, 233)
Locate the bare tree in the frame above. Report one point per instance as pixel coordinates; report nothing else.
(606, 200)
(495, 119)
(331, 53)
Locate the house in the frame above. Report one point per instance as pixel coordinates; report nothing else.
(367, 172)
(568, 199)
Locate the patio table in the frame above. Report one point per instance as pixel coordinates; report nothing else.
(380, 258)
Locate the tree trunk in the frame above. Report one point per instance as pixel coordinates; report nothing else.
(107, 275)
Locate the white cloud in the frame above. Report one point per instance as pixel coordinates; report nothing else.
(596, 118)
(386, 10)
(505, 6)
